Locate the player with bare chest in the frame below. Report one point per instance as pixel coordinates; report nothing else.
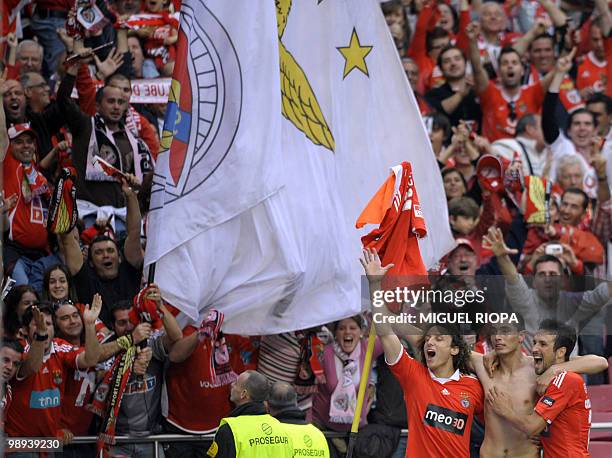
(513, 373)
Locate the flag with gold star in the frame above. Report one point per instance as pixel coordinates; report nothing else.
(348, 116)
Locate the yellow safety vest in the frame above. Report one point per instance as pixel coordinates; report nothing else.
(308, 441)
(259, 436)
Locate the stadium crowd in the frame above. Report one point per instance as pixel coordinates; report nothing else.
(515, 95)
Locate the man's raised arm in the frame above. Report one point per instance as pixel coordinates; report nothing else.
(375, 273)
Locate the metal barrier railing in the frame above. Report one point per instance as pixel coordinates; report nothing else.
(162, 438)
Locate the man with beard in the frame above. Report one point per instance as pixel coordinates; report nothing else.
(441, 397)
(545, 300)
(564, 410)
(456, 97)
(503, 105)
(514, 374)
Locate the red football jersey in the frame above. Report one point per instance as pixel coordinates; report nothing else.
(196, 404)
(440, 415)
(592, 73)
(497, 109)
(396, 239)
(566, 407)
(27, 220)
(568, 94)
(36, 407)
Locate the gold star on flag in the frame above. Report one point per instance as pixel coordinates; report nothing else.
(354, 55)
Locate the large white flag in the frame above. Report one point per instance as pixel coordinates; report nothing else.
(269, 237)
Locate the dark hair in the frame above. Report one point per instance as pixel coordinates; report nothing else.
(356, 318)
(11, 320)
(463, 206)
(601, 98)
(46, 295)
(58, 332)
(580, 192)
(117, 76)
(565, 335)
(44, 307)
(99, 239)
(450, 170)
(13, 344)
(577, 112)
(528, 119)
(548, 258)
(455, 17)
(507, 50)
(461, 360)
(434, 34)
(257, 386)
(120, 305)
(541, 36)
(447, 48)
(439, 121)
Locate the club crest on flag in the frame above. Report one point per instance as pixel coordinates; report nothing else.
(201, 120)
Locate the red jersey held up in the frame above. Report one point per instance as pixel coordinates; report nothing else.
(36, 407)
(440, 415)
(566, 407)
(396, 240)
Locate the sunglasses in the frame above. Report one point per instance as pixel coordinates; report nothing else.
(512, 107)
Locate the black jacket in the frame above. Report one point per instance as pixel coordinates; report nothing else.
(291, 415)
(224, 437)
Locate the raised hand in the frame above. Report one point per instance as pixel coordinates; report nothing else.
(39, 319)
(110, 65)
(473, 30)
(91, 313)
(372, 265)
(564, 64)
(494, 241)
(141, 332)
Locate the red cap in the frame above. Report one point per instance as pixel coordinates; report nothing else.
(462, 241)
(490, 170)
(15, 130)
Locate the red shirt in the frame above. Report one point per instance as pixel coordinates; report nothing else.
(196, 404)
(36, 407)
(440, 415)
(27, 219)
(566, 407)
(568, 94)
(592, 73)
(496, 109)
(396, 239)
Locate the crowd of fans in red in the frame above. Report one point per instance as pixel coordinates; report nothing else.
(515, 98)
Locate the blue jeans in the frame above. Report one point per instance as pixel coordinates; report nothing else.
(45, 30)
(400, 451)
(143, 450)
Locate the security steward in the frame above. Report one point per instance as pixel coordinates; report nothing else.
(249, 432)
(308, 440)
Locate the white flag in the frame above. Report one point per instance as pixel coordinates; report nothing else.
(288, 258)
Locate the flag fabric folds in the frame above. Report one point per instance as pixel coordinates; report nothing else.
(253, 214)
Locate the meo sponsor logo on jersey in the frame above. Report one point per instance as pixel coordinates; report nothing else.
(547, 401)
(445, 419)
